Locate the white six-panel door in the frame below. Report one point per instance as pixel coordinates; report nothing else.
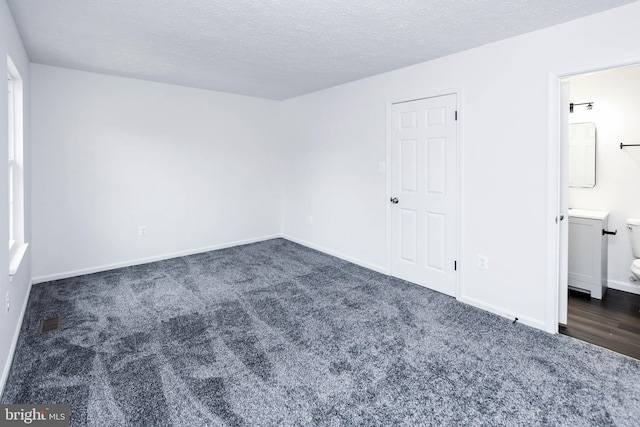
(423, 197)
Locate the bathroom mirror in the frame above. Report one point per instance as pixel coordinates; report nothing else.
(582, 155)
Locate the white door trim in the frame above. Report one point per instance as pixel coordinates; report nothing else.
(459, 175)
(554, 204)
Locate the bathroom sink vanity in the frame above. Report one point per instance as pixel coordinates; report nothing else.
(588, 251)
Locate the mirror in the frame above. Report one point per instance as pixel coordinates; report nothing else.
(582, 155)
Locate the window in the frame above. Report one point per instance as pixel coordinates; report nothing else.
(17, 246)
(12, 158)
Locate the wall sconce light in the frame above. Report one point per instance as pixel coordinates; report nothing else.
(588, 104)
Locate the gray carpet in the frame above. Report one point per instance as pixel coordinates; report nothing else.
(277, 334)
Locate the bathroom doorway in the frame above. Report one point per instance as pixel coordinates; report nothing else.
(602, 177)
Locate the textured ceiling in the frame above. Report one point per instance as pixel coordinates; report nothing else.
(272, 48)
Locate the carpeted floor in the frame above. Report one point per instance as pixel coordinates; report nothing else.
(277, 334)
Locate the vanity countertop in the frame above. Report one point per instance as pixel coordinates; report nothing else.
(588, 214)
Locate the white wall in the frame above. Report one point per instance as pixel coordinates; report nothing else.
(18, 288)
(335, 139)
(616, 97)
(198, 168)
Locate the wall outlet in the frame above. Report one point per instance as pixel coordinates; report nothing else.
(7, 299)
(142, 230)
(483, 262)
(310, 219)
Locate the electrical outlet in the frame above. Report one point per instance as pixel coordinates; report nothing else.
(7, 298)
(142, 230)
(310, 219)
(483, 262)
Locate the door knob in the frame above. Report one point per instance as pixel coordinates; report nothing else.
(394, 200)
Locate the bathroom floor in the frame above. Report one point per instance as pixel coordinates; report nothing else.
(613, 322)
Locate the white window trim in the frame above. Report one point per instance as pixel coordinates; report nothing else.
(17, 245)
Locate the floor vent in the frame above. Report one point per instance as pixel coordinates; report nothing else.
(52, 324)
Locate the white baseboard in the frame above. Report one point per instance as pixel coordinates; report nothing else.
(337, 254)
(107, 267)
(632, 287)
(534, 323)
(467, 300)
(504, 313)
(14, 343)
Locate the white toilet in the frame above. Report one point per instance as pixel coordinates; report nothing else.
(633, 224)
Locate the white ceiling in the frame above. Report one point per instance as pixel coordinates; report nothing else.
(272, 48)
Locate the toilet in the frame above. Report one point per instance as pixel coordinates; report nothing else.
(633, 224)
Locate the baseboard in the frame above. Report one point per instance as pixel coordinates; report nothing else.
(337, 254)
(107, 267)
(467, 300)
(632, 287)
(14, 343)
(504, 313)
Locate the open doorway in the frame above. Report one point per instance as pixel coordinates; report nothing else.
(601, 170)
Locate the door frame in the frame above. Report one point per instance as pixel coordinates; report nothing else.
(555, 204)
(408, 97)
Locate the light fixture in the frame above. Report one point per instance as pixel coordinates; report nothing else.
(588, 104)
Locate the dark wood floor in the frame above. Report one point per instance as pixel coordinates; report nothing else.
(613, 322)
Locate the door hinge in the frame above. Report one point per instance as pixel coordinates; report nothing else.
(455, 265)
(456, 115)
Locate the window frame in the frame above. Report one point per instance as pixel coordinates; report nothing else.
(15, 174)
(11, 158)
